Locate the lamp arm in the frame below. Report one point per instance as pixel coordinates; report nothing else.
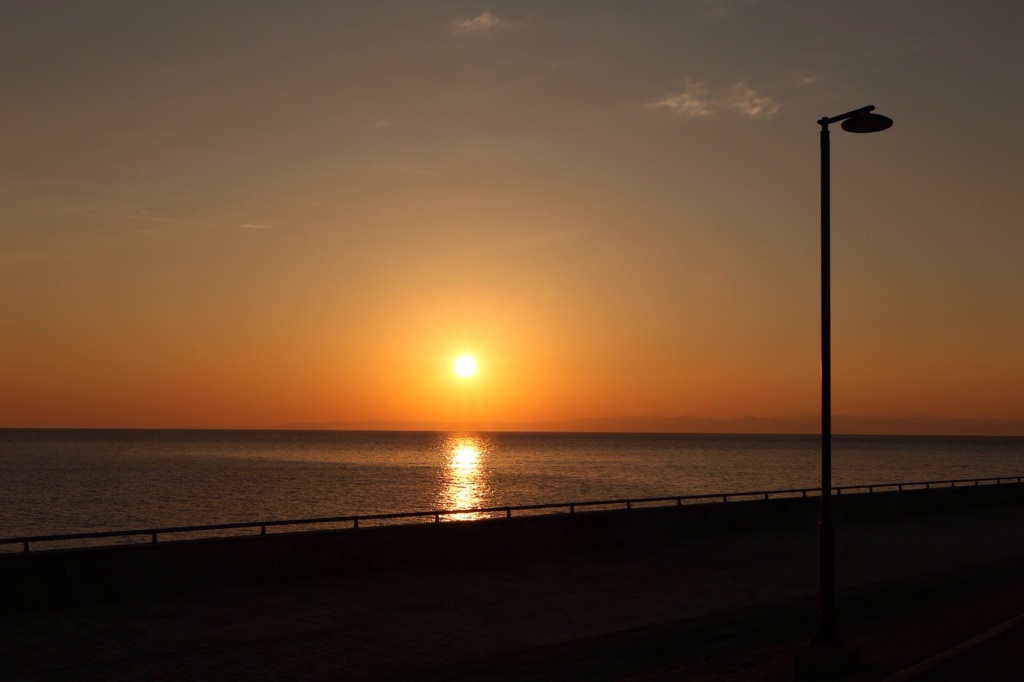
(849, 114)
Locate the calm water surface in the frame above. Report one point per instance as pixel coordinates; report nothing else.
(58, 481)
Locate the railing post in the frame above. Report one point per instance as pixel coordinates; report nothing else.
(25, 544)
(572, 508)
(355, 523)
(437, 517)
(629, 505)
(263, 529)
(508, 512)
(154, 538)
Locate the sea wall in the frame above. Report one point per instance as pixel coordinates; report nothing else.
(45, 579)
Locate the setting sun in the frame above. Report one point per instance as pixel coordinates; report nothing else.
(465, 366)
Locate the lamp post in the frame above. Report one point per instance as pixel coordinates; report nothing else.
(857, 121)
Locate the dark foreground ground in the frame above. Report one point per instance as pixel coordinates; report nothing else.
(732, 607)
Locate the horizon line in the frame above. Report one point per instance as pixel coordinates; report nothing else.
(921, 425)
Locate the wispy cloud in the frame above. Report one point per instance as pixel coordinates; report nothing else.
(117, 214)
(484, 22)
(747, 101)
(697, 99)
(693, 100)
(256, 226)
(802, 80)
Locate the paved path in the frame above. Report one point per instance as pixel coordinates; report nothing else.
(402, 625)
(998, 660)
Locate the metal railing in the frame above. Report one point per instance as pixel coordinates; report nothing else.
(438, 515)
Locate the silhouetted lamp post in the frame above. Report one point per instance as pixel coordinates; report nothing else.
(857, 121)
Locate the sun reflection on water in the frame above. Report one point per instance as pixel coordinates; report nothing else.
(464, 482)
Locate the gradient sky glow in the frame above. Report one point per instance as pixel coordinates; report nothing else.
(243, 214)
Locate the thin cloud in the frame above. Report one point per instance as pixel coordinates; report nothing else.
(481, 23)
(256, 226)
(747, 101)
(698, 100)
(692, 101)
(802, 80)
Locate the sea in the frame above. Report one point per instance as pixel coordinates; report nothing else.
(70, 481)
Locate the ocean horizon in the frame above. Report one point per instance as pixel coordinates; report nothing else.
(81, 480)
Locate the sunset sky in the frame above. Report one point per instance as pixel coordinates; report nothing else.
(251, 213)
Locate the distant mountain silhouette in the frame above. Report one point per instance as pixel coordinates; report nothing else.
(652, 424)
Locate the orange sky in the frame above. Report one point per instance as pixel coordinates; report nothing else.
(250, 216)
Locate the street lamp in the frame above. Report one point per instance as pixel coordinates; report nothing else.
(857, 121)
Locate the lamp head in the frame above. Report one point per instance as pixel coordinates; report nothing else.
(868, 122)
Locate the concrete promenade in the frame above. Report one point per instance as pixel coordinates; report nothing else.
(680, 610)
